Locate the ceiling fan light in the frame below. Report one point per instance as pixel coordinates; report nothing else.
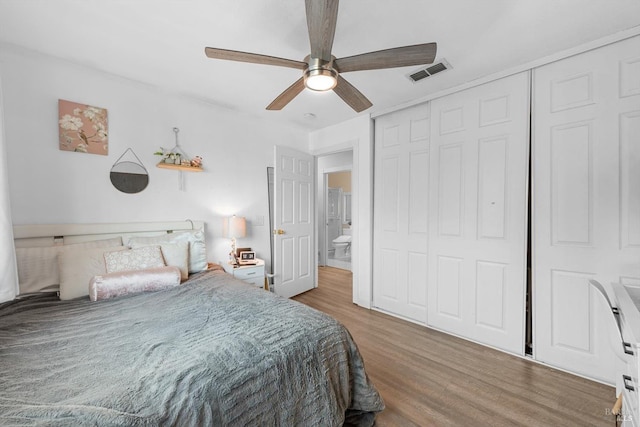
(320, 80)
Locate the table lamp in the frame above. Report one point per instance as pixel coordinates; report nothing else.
(234, 227)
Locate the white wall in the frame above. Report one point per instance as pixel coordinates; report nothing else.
(52, 186)
(357, 135)
(8, 268)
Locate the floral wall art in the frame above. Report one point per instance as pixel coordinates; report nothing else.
(83, 128)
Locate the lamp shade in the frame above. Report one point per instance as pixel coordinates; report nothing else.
(235, 226)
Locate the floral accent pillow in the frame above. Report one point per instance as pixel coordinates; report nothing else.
(134, 259)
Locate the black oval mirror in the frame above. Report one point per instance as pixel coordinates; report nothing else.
(129, 177)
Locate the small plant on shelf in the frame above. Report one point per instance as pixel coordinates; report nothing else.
(169, 157)
(164, 154)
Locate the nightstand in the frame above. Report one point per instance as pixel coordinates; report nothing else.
(253, 274)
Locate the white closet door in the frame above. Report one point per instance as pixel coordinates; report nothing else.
(400, 212)
(586, 201)
(478, 212)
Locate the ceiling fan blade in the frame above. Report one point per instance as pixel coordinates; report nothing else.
(352, 96)
(389, 58)
(287, 96)
(254, 58)
(321, 21)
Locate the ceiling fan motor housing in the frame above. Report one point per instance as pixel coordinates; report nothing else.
(319, 75)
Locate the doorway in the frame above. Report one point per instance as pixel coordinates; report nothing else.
(338, 219)
(335, 221)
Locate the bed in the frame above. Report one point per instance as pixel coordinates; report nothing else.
(211, 351)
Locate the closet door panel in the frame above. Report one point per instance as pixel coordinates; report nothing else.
(567, 288)
(450, 190)
(478, 213)
(491, 279)
(390, 181)
(492, 188)
(389, 262)
(416, 281)
(630, 178)
(448, 288)
(586, 201)
(571, 184)
(418, 200)
(390, 267)
(401, 206)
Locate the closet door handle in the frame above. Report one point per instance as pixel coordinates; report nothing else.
(626, 378)
(627, 348)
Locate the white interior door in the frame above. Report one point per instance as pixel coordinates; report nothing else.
(401, 212)
(586, 201)
(294, 222)
(478, 212)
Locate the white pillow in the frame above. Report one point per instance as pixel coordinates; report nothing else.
(134, 259)
(174, 254)
(197, 247)
(78, 266)
(38, 266)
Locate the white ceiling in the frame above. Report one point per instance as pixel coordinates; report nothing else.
(161, 42)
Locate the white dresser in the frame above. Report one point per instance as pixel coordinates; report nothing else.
(628, 305)
(253, 274)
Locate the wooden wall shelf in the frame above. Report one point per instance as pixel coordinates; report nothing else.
(163, 165)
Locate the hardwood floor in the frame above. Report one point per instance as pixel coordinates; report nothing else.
(428, 378)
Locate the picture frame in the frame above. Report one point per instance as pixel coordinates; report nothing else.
(238, 250)
(82, 128)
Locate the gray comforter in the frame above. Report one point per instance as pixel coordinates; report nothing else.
(214, 351)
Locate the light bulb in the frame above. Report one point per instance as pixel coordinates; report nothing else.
(320, 80)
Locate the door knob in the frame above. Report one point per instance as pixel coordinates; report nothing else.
(278, 231)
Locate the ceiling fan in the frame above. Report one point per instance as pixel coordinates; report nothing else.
(321, 70)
